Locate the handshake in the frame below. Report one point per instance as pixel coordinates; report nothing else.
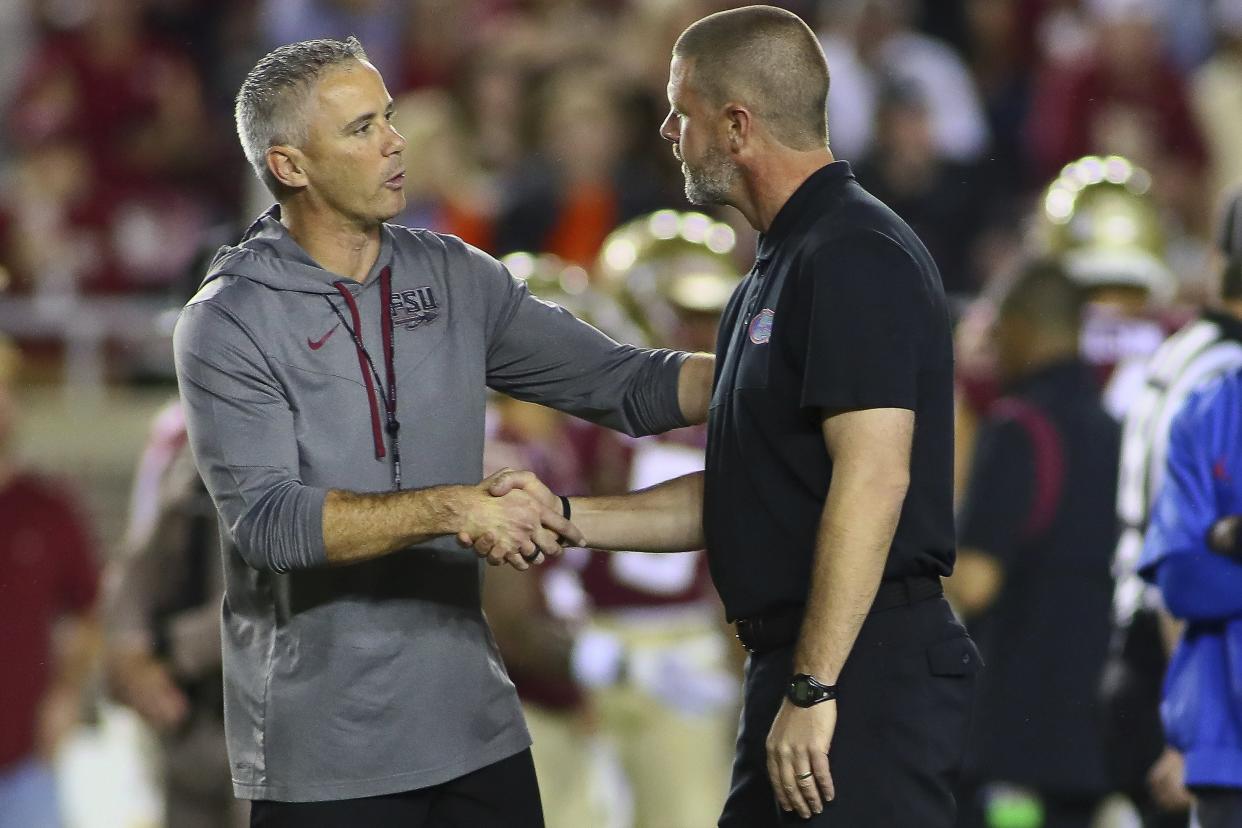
(512, 517)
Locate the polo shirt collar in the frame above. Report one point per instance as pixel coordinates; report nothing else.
(794, 209)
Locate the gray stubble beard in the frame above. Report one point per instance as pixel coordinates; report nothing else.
(712, 182)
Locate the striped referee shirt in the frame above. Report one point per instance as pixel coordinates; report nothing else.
(1200, 351)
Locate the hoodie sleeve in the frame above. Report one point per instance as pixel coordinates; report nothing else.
(241, 431)
(540, 352)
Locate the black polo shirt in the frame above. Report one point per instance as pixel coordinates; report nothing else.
(1046, 635)
(844, 309)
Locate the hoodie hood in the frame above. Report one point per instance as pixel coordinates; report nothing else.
(267, 254)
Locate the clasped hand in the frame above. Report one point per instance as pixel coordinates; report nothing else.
(514, 518)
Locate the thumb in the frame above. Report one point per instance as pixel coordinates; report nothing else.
(502, 486)
(511, 479)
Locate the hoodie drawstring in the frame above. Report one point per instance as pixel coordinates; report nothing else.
(371, 377)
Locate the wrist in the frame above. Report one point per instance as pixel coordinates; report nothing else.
(823, 673)
(805, 690)
(459, 508)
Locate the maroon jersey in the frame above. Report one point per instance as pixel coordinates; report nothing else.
(628, 580)
(48, 564)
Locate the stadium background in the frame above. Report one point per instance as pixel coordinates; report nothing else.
(532, 126)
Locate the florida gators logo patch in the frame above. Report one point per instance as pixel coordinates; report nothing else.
(761, 326)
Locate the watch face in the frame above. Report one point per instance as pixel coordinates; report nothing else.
(802, 692)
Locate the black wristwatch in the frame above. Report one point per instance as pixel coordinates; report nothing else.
(805, 691)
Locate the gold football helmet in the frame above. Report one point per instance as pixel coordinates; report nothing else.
(1098, 217)
(666, 267)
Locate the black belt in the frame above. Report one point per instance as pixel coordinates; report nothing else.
(772, 630)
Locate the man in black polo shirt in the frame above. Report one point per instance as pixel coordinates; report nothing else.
(1038, 527)
(826, 505)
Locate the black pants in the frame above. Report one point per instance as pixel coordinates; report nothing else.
(1218, 807)
(502, 795)
(902, 719)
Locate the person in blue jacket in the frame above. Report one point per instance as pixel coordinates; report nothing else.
(1192, 553)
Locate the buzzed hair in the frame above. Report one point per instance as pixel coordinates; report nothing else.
(271, 105)
(770, 61)
(1044, 294)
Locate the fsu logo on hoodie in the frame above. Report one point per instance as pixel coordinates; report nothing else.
(412, 308)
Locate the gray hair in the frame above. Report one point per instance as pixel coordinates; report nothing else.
(271, 103)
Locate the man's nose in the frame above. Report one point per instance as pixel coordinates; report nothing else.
(397, 142)
(668, 129)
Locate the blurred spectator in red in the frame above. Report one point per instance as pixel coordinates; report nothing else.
(134, 102)
(1125, 97)
(446, 189)
(1217, 91)
(437, 37)
(945, 201)
(1063, 29)
(869, 43)
(133, 107)
(48, 582)
(55, 227)
(579, 184)
(65, 232)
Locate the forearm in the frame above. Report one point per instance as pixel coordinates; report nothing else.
(361, 527)
(694, 387)
(664, 518)
(856, 530)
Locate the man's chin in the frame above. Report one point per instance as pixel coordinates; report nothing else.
(699, 198)
(394, 209)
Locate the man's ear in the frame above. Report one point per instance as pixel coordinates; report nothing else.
(287, 164)
(740, 127)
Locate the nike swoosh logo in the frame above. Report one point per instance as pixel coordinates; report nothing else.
(316, 344)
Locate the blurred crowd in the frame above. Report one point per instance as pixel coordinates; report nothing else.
(533, 122)
(532, 129)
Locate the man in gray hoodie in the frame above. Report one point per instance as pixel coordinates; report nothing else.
(333, 370)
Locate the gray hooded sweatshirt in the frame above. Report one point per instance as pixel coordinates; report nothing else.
(382, 677)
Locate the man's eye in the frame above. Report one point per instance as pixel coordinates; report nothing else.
(362, 130)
